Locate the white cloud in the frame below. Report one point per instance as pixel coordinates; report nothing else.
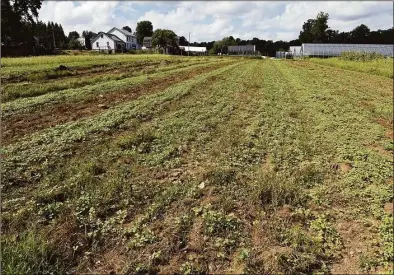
(209, 21)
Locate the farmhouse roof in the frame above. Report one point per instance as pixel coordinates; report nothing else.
(122, 31)
(110, 35)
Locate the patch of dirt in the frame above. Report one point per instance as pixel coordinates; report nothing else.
(385, 122)
(48, 116)
(285, 211)
(388, 208)
(268, 164)
(388, 125)
(173, 266)
(344, 167)
(356, 241)
(390, 134)
(264, 249)
(195, 237)
(237, 266)
(111, 261)
(381, 150)
(65, 236)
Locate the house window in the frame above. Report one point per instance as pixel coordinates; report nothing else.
(97, 44)
(102, 36)
(107, 44)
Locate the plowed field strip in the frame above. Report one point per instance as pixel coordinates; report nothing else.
(26, 123)
(42, 148)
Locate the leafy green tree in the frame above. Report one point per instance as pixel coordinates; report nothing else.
(221, 46)
(17, 20)
(315, 30)
(183, 41)
(320, 27)
(162, 38)
(360, 34)
(74, 44)
(144, 28)
(74, 35)
(306, 35)
(88, 35)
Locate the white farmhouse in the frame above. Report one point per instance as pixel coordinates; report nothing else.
(115, 39)
(107, 41)
(127, 37)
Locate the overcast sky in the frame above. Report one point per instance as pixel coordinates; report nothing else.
(209, 21)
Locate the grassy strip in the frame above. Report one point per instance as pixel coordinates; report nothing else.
(351, 130)
(17, 66)
(382, 67)
(27, 104)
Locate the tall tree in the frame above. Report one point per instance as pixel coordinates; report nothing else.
(360, 34)
(221, 46)
(144, 28)
(183, 41)
(163, 38)
(315, 30)
(127, 28)
(74, 35)
(306, 35)
(88, 35)
(320, 27)
(17, 20)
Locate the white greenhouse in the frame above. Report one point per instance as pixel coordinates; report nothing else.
(295, 51)
(322, 50)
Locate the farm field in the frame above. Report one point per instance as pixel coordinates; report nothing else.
(383, 67)
(164, 164)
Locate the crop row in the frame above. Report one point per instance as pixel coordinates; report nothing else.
(75, 94)
(30, 89)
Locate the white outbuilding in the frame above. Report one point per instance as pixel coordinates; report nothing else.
(194, 49)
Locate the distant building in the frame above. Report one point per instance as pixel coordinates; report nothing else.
(147, 42)
(328, 49)
(194, 50)
(242, 49)
(295, 51)
(115, 39)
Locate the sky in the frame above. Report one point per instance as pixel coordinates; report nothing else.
(209, 20)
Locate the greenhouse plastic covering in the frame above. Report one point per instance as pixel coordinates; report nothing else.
(312, 49)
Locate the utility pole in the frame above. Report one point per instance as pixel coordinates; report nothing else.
(188, 48)
(53, 35)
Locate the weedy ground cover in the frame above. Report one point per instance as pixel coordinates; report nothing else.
(248, 166)
(17, 66)
(381, 66)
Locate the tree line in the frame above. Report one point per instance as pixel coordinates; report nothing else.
(23, 32)
(313, 31)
